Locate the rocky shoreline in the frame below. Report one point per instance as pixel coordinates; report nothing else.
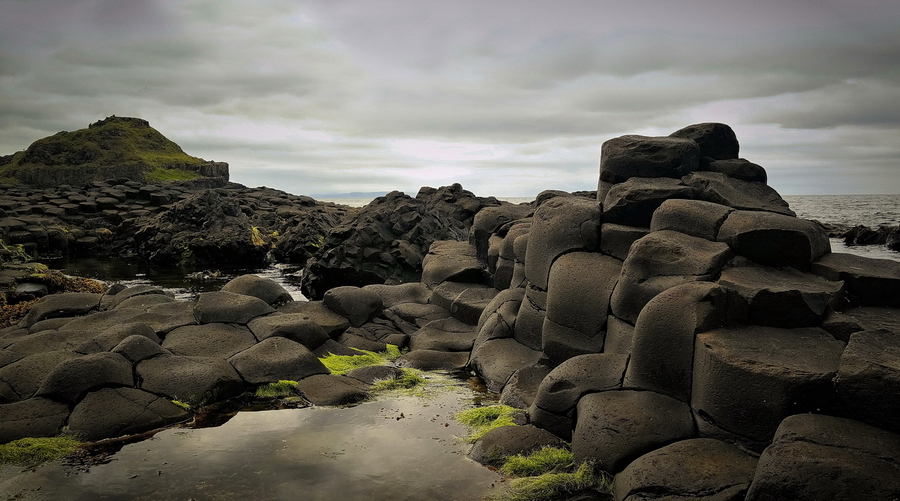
(680, 327)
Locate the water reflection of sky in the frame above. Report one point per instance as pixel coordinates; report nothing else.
(357, 453)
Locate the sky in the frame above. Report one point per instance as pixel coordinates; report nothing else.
(506, 97)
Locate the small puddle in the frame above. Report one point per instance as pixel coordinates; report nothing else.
(395, 448)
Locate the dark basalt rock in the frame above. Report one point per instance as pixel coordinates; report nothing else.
(206, 229)
(386, 240)
(495, 446)
(112, 412)
(715, 140)
(275, 359)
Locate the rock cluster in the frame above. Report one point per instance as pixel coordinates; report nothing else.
(682, 329)
(386, 241)
(691, 335)
(188, 223)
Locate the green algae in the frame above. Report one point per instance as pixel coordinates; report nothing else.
(34, 451)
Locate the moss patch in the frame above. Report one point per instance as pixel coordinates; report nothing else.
(342, 364)
(161, 174)
(281, 389)
(481, 420)
(544, 460)
(557, 486)
(410, 379)
(34, 451)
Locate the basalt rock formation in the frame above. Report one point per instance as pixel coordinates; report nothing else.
(116, 147)
(386, 241)
(683, 330)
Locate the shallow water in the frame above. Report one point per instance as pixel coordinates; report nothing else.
(183, 282)
(397, 448)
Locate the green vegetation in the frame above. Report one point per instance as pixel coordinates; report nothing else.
(182, 405)
(342, 364)
(544, 460)
(481, 420)
(281, 389)
(113, 146)
(554, 486)
(34, 451)
(408, 380)
(256, 237)
(162, 174)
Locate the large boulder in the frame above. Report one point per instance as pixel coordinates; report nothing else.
(774, 239)
(815, 457)
(747, 379)
(453, 261)
(331, 322)
(561, 225)
(495, 446)
(228, 307)
(783, 297)
(662, 349)
(193, 380)
(496, 360)
(67, 304)
(868, 281)
(113, 412)
(616, 427)
(716, 140)
(661, 260)
(553, 407)
(357, 305)
(274, 359)
(633, 202)
(326, 389)
(722, 189)
(109, 338)
(868, 379)
(72, 378)
(35, 417)
(446, 334)
(630, 156)
(698, 468)
(579, 288)
(294, 326)
(266, 289)
(697, 218)
(498, 319)
(209, 340)
(22, 378)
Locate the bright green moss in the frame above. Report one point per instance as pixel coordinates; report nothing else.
(342, 364)
(556, 486)
(481, 420)
(281, 389)
(544, 460)
(161, 174)
(408, 380)
(34, 451)
(182, 405)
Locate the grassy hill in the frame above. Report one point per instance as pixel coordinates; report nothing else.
(114, 148)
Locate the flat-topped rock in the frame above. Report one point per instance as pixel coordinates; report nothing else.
(783, 297)
(357, 305)
(326, 389)
(772, 239)
(496, 360)
(868, 378)
(631, 156)
(294, 326)
(74, 377)
(209, 340)
(265, 289)
(869, 282)
(228, 307)
(495, 446)
(113, 412)
(67, 304)
(633, 202)
(193, 380)
(747, 379)
(698, 468)
(35, 417)
(275, 359)
(815, 457)
(696, 218)
(449, 260)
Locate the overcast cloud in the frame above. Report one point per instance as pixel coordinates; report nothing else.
(507, 97)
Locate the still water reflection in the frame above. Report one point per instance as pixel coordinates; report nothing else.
(397, 448)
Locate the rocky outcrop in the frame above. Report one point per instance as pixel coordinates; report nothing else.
(116, 147)
(387, 240)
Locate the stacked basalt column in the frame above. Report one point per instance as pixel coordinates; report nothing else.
(689, 303)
